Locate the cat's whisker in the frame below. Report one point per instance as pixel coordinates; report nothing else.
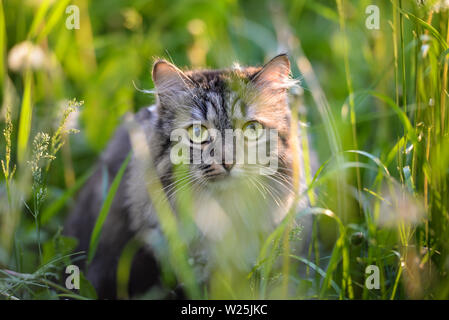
(254, 183)
(275, 194)
(172, 186)
(167, 189)
(183, 178)
(282, 184)
(176, 190)
(276, 176)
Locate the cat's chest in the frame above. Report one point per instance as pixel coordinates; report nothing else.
(234, 212)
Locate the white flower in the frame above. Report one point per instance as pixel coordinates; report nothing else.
(399, 206)
(26, 55)
(440, 6)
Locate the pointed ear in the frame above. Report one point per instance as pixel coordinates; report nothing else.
(168, 78)
(275, 75)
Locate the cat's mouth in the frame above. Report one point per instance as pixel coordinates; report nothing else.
(218, 177)
(221, 181)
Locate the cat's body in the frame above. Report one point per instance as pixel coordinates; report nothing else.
(117, 231)
(225, 194)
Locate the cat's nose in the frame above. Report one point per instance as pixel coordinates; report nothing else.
(228, 166)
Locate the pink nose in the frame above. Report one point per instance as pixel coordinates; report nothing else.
(228, 166)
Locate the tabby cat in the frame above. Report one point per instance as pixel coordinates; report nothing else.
(233, 202)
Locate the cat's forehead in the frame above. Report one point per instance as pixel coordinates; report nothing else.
(220, 78)
(209, 99)
(220, 105)
(221, 92)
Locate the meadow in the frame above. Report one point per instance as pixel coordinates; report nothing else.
(372, 109)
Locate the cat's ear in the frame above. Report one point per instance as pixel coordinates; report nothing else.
(274, 75)
(168, 78)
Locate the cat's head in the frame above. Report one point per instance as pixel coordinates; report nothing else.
(226, 125)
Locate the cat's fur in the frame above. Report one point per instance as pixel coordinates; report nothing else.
(221, 99)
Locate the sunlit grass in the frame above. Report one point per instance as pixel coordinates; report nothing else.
(372, 112)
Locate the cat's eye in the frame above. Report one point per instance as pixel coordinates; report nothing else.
(252, 130)
(198, 133)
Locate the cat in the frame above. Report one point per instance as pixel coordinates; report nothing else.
(230, 195)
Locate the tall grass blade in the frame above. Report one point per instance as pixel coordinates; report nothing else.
(26, 113)
(2, 48)
(96, 233)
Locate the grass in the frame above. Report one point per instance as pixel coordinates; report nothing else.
(96, 233)
(373, 105)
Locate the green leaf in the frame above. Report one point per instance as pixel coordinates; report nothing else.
(26, 112)
(320, 271)
(372, 157)
(58, 246)
(409, 130)
(427, 26)
(56, 14)
(124, 268)
(38, 18)
(2, 45)
(96, 233)
(86, 288)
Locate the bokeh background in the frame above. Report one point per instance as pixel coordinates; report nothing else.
(372, 104)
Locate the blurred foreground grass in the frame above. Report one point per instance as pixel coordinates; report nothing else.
(374, 105)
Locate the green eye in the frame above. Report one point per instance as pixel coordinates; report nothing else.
(252, 130)
(198, 133)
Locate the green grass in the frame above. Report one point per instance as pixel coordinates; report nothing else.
(96, 233)
(374, 106)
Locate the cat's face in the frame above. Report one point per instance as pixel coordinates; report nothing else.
(228, 127)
